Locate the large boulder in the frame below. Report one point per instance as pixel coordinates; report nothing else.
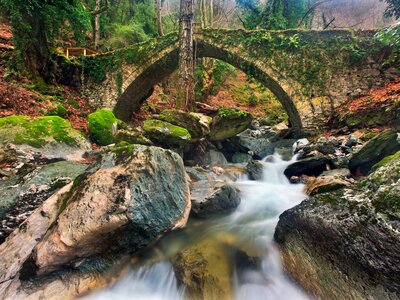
(313, 166)
(51, 135)
(166, 134)
(385, 144)
(228, 123)
(210, 198)
(133, 195)
(103, 127)
(21, 195)
(347, 241)
(197, 124)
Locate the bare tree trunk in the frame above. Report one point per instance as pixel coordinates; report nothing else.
(186, 96)
(159, 20)
(96, 26)
(211, 19)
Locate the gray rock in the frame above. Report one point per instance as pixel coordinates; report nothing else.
(241, 158)
(132, 196)
(348, 239)
(313, 166)
(255, 170)
(20, 196)
(372, 152)
(197, 173)
(210, 198)
(212, 158)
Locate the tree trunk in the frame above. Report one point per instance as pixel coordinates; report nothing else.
(37, 53)
(185, 96)
(159, 20)
(96, 26)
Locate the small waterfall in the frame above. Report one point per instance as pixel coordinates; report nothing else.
(253, 223)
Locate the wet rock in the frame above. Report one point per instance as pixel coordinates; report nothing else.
(20, 196)
(132, 196)
(385, 144)
(256, 141)
(166, 134)
(241, 158)
(23, 240)
(205, 269)
(197, 173)
(197, 124)
(210, 198)
(210, 157)
(228, 123)
(348, 240)
(51, 136)
(313, 166)
(255, 170)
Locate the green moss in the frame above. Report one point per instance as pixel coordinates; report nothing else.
(196, 124)
(386, 161)
(60, 111)
(103, 126)
(232, 113)
(166, 133)
(37, 131)
(387, 202)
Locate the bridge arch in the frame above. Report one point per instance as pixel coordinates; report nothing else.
(304, 64)
(139, 84)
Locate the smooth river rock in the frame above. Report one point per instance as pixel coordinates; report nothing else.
(133, 195)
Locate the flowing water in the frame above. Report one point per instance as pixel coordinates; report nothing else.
(252, 224)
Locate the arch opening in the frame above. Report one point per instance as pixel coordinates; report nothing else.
(140, 88)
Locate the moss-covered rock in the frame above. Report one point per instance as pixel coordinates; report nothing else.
(381, 146)
(165, 133)
(103, 126)
(132, 136)
(387, 160)
(197, 124)
(39, 132)
(228, 123)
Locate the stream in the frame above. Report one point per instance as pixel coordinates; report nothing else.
(252, 224)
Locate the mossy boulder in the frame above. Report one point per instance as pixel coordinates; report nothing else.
(228, 123)
(132, 136)
(40, 132)
(103, 126)
(165, 133)
(381, 146)
(197, 124)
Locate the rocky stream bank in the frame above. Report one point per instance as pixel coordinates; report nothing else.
(72, 217)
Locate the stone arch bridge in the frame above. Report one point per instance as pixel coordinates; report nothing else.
(298, 66)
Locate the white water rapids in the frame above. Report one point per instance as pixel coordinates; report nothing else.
(254, 222)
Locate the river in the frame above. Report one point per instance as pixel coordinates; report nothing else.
(252, 224)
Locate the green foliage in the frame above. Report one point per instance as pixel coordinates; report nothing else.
(59, 110)
(393, 8)
(103, 126)
(232, 113)
(253, 100)
(36, 24)
(391, 37)
(127, 22)
(272, 14)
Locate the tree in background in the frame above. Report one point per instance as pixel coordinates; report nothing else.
(272, 14)
(393, 9)
(186, 96)
(36, 24)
